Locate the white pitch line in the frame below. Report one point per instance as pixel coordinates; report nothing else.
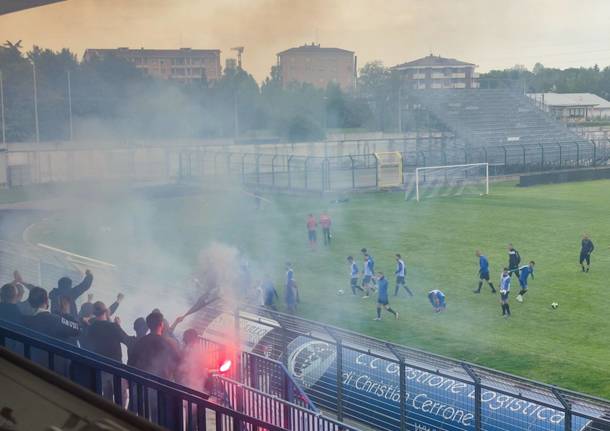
(78, 256)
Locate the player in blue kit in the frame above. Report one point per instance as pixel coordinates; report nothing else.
(401, 273)
(353, 274)
(437, 299)
(382, 296)
(524, 273)
(504, 291)
(483, 272)
(367, 275)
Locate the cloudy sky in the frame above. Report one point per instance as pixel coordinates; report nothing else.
(490, 33)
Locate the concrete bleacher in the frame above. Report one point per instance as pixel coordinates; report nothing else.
(494, 117)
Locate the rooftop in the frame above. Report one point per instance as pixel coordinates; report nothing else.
(314, 48)
(570, 99)
(154, 52)
(433, 61)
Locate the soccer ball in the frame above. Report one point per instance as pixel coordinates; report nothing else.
(554, 305)
(340, 292)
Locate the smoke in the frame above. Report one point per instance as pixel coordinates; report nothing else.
(398, 32)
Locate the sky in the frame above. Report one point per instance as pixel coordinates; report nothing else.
(494, 34)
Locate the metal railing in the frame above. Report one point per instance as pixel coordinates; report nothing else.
(176, 407)
(262, 374)
(393, 387)
(166, 403)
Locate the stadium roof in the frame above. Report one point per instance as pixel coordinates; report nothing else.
(313, 48)
(433, 61)
(8, 6)
(571, 99)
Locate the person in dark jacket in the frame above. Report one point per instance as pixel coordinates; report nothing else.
(65, 314)
(8, 304)
(47, 323)
(105, 336)
(64, 288)
(514, 259)
(24, 306)
(86, 309)
(155, 353)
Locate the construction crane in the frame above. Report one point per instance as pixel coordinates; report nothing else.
(240, 51)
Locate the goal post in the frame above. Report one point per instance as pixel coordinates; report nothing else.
(389, 169)
(451, 180)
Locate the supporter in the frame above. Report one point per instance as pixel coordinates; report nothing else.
(193, 368)
(47, 323)
(104, 336)
(8, 304)
(64, 313)
(155, 353)
(23, 305)
(64, 288)
(86, 310)
(140, 328)
(166, 326)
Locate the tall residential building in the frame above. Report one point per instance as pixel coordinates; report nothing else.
(184, 64)
(435, 72)
(318, 66)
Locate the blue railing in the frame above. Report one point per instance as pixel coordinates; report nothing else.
(166, 403)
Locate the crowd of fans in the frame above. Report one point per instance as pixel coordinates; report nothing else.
(153, 348)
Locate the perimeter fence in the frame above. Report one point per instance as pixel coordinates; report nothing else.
(300, 173)
(332, 166)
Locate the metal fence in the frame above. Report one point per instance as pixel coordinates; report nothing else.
(170, 405)
(332, 166)
(285, 172)
(392, 387)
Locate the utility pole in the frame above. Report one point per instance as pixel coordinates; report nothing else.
(399, 109)
(235, 115)
(70, 104)
(35, 102)
(2, 109)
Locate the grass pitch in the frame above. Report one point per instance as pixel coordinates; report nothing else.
(569, 346)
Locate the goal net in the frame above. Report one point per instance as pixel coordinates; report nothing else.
(389, 169)
(436, 181)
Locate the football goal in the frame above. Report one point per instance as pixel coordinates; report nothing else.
(389, 169)
(453, 180)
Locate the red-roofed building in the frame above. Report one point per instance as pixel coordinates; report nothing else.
(436, 72)
(318, 66)
(184, 64)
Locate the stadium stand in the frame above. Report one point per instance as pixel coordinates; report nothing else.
(493, 117)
